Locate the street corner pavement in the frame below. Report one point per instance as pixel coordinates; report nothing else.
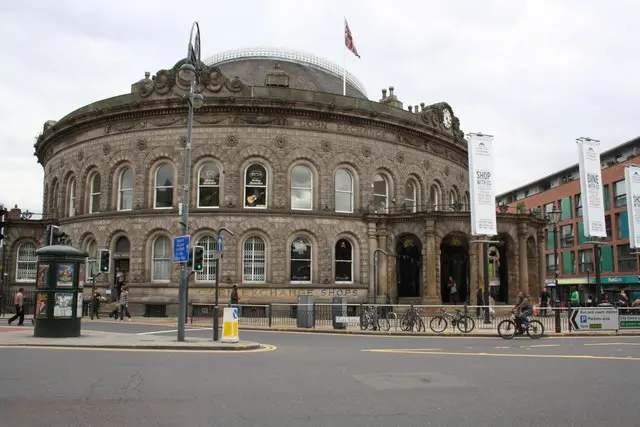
(23, 337)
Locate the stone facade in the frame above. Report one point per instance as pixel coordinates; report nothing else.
(277, 128)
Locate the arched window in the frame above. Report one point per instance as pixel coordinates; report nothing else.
(380, 194)
(410, 196)
(301, 188)
(343, 191)
(467, 200)
(453, 197)
(161, 256)
(208, 273)
(92, 260)
(253, 260)
(434, 196)
(71, 198)
(54, 198)
(163, 187)
(26, 263)
(343, 261)
(125, 190)
(209, 186)
(94, 193)
(255, 187)
(301, 260)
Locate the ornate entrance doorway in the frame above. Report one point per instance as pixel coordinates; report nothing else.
(408, 266)
(454, 263)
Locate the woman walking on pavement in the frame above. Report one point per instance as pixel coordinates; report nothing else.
(124, 303)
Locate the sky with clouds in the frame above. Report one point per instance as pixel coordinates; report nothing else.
(536, 74)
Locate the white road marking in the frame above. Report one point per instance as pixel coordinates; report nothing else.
(173, 330)
(613, 343)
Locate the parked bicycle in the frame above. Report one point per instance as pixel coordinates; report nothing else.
(411, 320)
(371, 319)
(440, 322)
(511, 327)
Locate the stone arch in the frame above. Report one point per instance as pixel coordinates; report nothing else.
(54, 197)
(267, 153)
(409, 266)
(454, 264)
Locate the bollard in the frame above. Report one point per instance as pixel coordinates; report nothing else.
(557, 315)
(270, 310)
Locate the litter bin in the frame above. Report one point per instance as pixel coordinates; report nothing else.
(304, 318)
(339, 309)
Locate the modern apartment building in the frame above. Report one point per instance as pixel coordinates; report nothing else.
(575, 264)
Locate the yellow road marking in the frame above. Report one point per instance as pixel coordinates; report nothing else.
(614, 343)
(539, 356)
(263, 348)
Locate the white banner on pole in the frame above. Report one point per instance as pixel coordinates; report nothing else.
(482, 185)
(632, 184)
(591, 187)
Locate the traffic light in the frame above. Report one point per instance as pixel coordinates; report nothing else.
(54, 235)
(105, 260)
(3, 212)
(198, 258)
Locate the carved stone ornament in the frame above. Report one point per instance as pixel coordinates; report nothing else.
(231, 140)
(400, 157)
(325, 145)
(281, 141)
(447, 170)
(460, 177)
(183, 141)
(366, 151)
(427, 164)
(106, 149)
(80, 155)
(141, 144)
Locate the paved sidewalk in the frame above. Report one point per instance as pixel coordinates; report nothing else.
(21, 337)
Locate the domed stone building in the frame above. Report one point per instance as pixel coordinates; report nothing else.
(311, 182)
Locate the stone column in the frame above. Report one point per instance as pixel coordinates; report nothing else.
(430, 263)
(373, 244)
(382, 263)
(542, 260)
(522, 257)
(475, 278)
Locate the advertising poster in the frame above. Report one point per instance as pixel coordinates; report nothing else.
(82, 275)
(63, 306)
(65, 276)
(632, 184)
(79, 305)
(591, 187)
(41, 305)
(482, 185)
(43, 276)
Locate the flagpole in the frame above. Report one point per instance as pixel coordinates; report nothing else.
(344, 59)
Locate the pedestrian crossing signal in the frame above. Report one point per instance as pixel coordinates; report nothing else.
(105, 260)
(198, 258)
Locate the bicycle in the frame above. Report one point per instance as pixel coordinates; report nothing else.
(511, 327)
(440, 322)
(411, 320)
(369, 318)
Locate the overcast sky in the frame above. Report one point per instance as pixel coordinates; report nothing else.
(536, 74)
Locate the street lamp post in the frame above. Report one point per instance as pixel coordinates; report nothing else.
(189, 73)
(216, 308)
(554, 219)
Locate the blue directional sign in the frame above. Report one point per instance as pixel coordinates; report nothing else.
(235, 313)
(181, 248)
(220, 245)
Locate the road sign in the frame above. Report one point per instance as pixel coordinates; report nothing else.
(220, 245)
(629, 321)
(597, 318)
(181, 248)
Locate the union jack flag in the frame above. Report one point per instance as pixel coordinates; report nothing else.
(348, 40)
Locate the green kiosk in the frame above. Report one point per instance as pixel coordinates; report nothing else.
(59, 291)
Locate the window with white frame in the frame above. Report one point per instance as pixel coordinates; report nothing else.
(619, 194)
(343, 191)
(343, 261)
(210, 245)
(453, 197)
(72, 198)
(380, 194)
(255, 187)
(161, 260)
(410, 196)
(434, 196)
(94, 193)
(301, 188)
(26, 263)
(467, 200)
(301, 260)
(253, 260)
(92, 260)
(209, 186)
(125, 190)
(163, 187)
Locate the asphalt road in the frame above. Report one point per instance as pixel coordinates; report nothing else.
(328, 380)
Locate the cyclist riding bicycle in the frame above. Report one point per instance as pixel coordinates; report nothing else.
(524, 307)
